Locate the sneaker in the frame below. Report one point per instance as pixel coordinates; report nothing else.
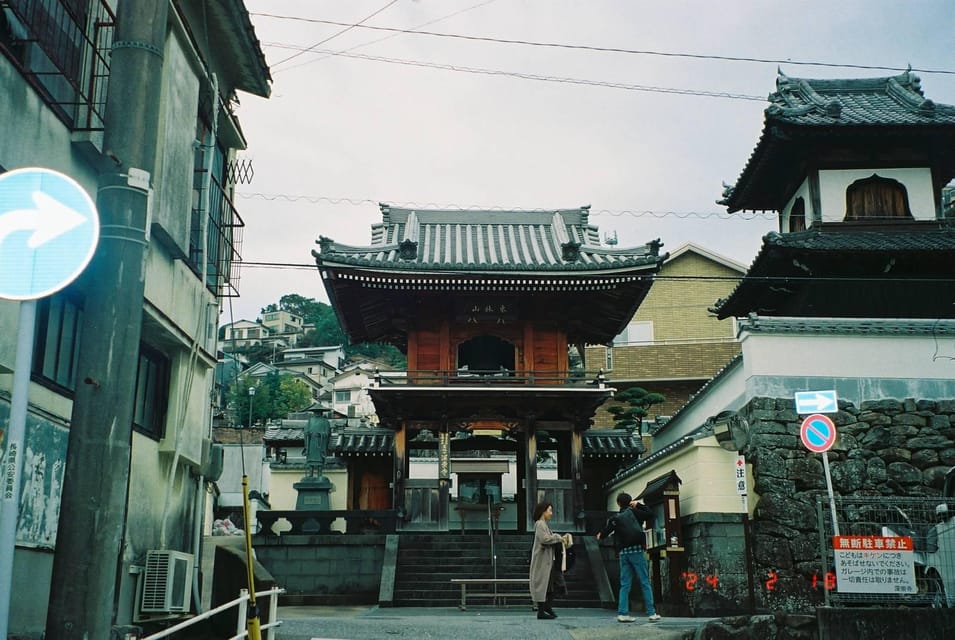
(655, 617)
(623, 618)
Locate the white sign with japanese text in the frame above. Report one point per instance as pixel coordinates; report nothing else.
(739, 467)
(874, 564)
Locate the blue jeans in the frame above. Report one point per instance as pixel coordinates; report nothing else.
(634, 563)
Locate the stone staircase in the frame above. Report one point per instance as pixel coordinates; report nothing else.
(428, 562)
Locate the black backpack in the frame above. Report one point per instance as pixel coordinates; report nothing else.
(627, 530)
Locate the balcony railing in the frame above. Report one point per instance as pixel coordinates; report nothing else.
(62, 48)
(499, 377)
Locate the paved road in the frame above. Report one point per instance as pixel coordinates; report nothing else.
(478, 623)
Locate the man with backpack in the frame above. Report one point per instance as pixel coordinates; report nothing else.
(626, 527)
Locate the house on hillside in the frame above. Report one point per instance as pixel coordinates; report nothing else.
(852, 295)
(316, 369)
(284, 325)
(350, 392)
(243, 334)
(256, 373)
(121, 407)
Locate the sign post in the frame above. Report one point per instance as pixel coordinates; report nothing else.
(818, 434)
(49, 229)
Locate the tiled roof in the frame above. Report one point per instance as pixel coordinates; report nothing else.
(892, 101)
(361, 441)
(862, 241)
(807, 108)
(848, 273)
(500, 241)
(656, 486)
(600, 443)
(343, 440)
(368, 440)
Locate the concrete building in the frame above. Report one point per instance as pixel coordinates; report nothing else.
(173, 89)
(243, 334)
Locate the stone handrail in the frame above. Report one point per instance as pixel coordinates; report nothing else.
(320, 522)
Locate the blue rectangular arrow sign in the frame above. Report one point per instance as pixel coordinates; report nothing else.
(817, 402)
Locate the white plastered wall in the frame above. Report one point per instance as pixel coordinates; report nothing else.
(832, 193)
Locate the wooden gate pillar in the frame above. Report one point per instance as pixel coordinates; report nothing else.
(402, 467)
(530, 472)
(444, 475)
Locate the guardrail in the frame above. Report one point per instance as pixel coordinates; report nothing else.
(242, 604)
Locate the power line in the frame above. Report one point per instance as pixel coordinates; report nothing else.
(765, 215)
(541, 78)
(348, 27)
(621, 50)
(389, 36)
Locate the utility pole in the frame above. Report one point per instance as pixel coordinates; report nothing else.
(89, 543)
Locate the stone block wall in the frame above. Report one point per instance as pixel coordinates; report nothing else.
(715, 581)
(885, 448)
(325, 569)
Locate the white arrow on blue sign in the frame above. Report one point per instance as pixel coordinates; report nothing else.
(49, 228)
(817, 402)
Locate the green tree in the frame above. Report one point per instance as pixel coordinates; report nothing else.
(275, 397)
(240, 400)
(294, 396)
(635, 403)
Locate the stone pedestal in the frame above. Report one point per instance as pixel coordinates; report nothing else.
(313, 494)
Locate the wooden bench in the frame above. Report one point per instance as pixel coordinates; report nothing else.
(495, 594)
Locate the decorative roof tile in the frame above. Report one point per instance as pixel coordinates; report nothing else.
(805, 114)
(896, 100)
(600, 443)
(502, 241)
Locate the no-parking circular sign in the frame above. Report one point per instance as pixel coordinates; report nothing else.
(818, 432)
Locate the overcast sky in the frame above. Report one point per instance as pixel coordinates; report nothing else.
(430, 121)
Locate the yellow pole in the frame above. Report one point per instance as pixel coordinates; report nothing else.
(252, 616)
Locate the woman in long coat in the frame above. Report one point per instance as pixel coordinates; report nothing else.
(542, 561)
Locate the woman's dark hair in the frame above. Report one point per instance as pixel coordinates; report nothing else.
(540, 509)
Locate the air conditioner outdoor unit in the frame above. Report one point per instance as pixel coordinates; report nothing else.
(166, 582)
(213, 459)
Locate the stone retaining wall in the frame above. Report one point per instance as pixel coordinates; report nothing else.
(885, 448)
(324, 569)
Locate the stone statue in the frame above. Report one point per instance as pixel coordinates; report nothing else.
(316, 444)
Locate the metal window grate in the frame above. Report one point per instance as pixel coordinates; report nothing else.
(62, 48)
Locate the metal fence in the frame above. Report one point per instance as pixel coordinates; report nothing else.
(888, 550)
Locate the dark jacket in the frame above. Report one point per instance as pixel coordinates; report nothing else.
(620, 536)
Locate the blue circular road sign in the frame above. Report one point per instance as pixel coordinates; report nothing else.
(818, 432)
(48, 232)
